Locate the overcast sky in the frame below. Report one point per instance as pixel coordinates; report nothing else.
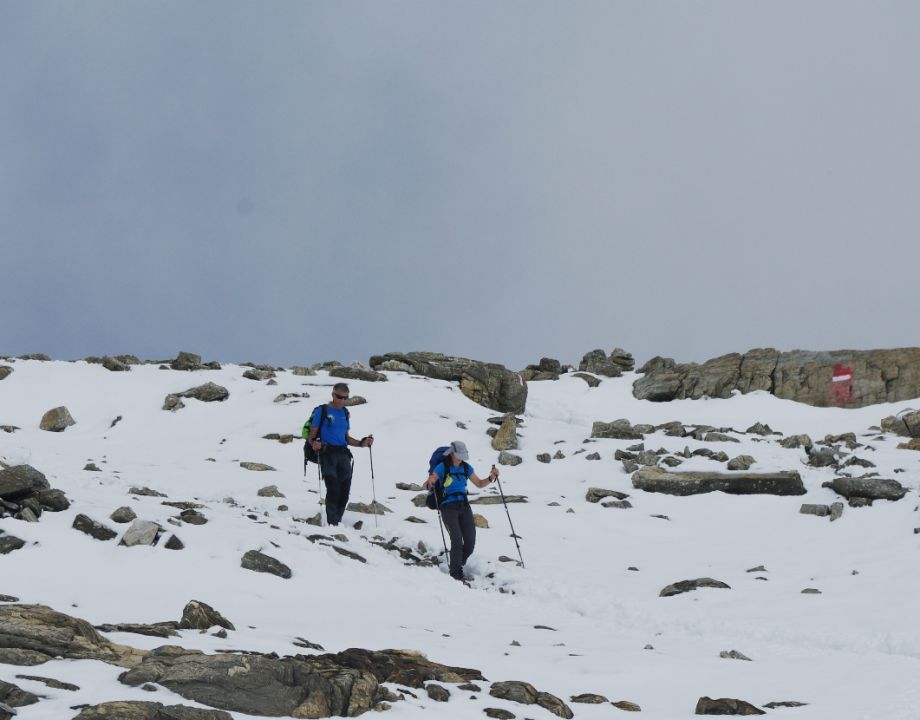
(290, 182)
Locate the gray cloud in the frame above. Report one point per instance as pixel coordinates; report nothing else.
(301, 181)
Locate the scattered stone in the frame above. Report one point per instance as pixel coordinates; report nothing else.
(873, 488)
(620, 504)
(506, 437)
(91, 467)
(687, 585)
(57, 420)
(173, 403)
(719, 437)
(200, 616)
(438, 693)
(259, 562)
(836, 511)
(349, 554)
(92, 528)
(588, 699)
(123, 514)
(819, 510)
(784, 703)
(507, 458)
(257, 467)
(527, 694)
(620, 429)
(796, 441)
(627, 706)
(726, 706)
(733, 655)
(209, 392)
(141, 532)
(822, 457)
(186, 361)
(811, 591)
(741, 462)
(146, 492)
(10, 543)
(411, 487)
(593, 456)
(559, 455)
(270, 491)
(597, 494)
(499, 713)
(174, 543)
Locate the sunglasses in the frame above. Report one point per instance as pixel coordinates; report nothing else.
(340, 397)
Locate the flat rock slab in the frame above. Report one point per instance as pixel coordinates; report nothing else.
(527, 694)
(497, 499)
(688, 585)
(141, 532)
(260, 562)
(726, 706)
(652, 479)
(128, 710)
(87, 525)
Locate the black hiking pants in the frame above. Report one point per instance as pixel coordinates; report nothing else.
(336, 464)
(458, 519)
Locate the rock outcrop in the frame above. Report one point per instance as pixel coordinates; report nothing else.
(842, 378)
(613, 365)
(489, 384)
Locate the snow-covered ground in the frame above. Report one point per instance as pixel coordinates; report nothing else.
(852, 651)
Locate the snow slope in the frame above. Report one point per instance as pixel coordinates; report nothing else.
(852, 651)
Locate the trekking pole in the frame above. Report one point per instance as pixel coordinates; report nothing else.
(513, 534)
(441, 525)
(319, 492)
(373, 488)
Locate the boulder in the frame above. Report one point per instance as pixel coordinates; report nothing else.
(741, 462)
(270, 491)
(13, 696)
(653, 479)
(10, 543)
(906, 424)
(526, 694)
(258, 375)
(114, 364)
(200, 616)
(613, 365)
(351, 373)
(123, 514)
(141, 532)
(21, 481)
(546, 369)
(186, 361)
(92, 528)
(489, 384)
(726, 706)
(209, 392)
(5, 371)
(257, 467)
(595, 495)
(507, 458)
(57, 420)
(506, 438)
(259, 562)
(871, 488)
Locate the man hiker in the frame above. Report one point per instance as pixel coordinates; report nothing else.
(330, 439)
(453, 474)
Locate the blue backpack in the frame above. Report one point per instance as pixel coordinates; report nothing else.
(436, 492)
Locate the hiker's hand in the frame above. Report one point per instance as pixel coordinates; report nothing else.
(316, 445)
(493, 475)
(368, 441)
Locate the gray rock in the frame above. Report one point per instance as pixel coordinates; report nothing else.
(146, 492)
(595, 495)
(141, 532)
(57, 420)
(53, 500)
(137, 710)
(836, 511)
(614, 365)
(507, 458)
(349, 373)
(162, 630)
(173, 403)
(590, 379)
(759, 429)
(193, 517)
(733, 655)
(209, 392)
(693, 483)
(438, 693)
(906, 424)
(259, 562)
(491, 385)
(620, 429)
(819, 510)
(647, 458)
(497, 500)
(689, 585)
(626, 706)
(200, 616)
(123, 514)
(593, 456)
(872, 488)
(506, 437)
(92, 528)
(526, 694)
(114, 364)
(12, 696)
(374, 508)
(258, 375)
(499, 713)
(270, 491)
(186, 361)
(822, 457)
(719, 437)
(5, 371)
(10, 543)
(559, 455)
(741, 462)
(544, 457)
(673, 429)
(588, 699)
(174, 543)
(796, 441)
(620, 504)
(257, 467)
(725, 706)
(20, 481)
(630, 466)
(302, 371)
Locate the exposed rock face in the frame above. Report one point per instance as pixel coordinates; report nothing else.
(90, 527)
(34, 634)
(13, 696)
(57, 420)
(5, 371)
(620, 429)
(259, 562)
(844, 378)
(906, 424)
(114, 364)
(135, 710)
(345, 684)
(527, 694)
(653, 479)
(613, 365)
(489, 384)
(9, 543)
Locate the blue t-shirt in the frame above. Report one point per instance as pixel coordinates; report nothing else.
(455, 485)
(335, 427)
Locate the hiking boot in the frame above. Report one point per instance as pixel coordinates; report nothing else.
(462, 578)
